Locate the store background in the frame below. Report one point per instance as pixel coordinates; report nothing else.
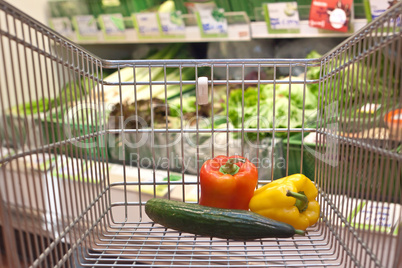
(256, 48)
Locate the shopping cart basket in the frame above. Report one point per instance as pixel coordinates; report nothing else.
(75, 178)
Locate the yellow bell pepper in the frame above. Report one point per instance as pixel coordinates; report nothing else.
(290, 199)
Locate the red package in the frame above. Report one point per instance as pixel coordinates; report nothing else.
(331, 14)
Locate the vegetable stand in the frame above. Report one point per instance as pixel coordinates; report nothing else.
(75, 174)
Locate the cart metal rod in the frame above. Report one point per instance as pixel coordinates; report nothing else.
(174, 64)
(201, 247)
(50, 146)
(61, 236)
(214, 82)
(217, 248)
(151, 183)
(210, 62)
(394, 11)
(118, 131)
(201, 258)
(8, 231)
(136, 264)
(361, 56)
(355, 235)
(38, 26)
(366, 145)
(52, 57)
(206, 130)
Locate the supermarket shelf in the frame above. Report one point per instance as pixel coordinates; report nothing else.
(259, 31)
(237, 32)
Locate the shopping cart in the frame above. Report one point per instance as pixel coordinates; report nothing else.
(73, 195)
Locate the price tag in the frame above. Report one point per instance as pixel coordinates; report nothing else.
(62, 25)
(147, 24)
(172, 24)
(86, 27)
(212, 22)
(112, 25)
(282, 16)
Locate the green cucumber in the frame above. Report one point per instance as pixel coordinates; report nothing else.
(216, 222)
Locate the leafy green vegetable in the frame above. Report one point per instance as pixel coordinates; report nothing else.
(42, 105)
(313, 73)
(297, 93)
(266, 118)
(218, 15)
(313, 55)
(188, 106)
(351, 79)
(68, 94)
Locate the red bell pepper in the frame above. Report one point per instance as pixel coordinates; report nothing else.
(228, 182)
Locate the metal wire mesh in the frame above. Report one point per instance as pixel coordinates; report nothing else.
(65, 204)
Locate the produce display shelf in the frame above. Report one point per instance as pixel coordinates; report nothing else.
(238, 29)
(239, 32)
(259, 30)
(236, 32)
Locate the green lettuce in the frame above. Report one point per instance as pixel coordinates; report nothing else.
(288, 108)
(41, 105)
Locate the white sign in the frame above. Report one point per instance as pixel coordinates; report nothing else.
(172, 23)
(147, 23)
(62, 25)
(376, 216)
(378, 7)
(113, 24)
(213, 21)
(283, 15)
(86, 25)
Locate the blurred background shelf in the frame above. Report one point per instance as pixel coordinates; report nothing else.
(192, 35)
(256, 30)
(259, 30)
(98, 22)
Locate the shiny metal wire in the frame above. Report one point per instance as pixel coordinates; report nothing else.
(65, 203)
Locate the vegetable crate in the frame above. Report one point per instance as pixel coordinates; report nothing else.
(88, 143)
(77, 210)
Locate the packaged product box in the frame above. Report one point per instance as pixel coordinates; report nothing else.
(374, 9)
(282, 17)
(365, 215)
(332, 15)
